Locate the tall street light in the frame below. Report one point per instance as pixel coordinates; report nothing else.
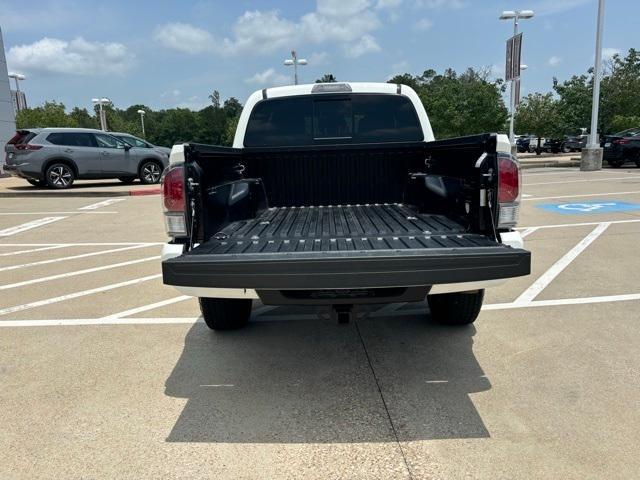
(142, 112)
(591, 157)
(18, 77)
(100, 102)
(295, 61)
(514, 15)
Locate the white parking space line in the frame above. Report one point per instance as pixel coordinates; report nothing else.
(82, 293)
(31, 250)
(608, 194)
(145, 308)
(98, 321)
(528, 231)
(28, 226)
(55, 213)
(78, 272)
(267, 318)
(73, 257)
(564, 301)
(583, 180)
(547, 277)
(80, 244)
(583, 224)
(104, 203)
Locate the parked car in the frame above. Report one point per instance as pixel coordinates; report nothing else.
(622, 147)
(555, 145)
(136, 142)
(56, 157)
(528, 143)
(575, 143)
(338, 195)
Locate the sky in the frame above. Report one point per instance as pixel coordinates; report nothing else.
(167, 54)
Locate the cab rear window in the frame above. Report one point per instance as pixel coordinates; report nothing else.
(333, 119)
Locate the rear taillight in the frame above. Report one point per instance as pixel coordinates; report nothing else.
(26, 146)
(174, 202)
(15, 138)
(508, 191)
(621, 141)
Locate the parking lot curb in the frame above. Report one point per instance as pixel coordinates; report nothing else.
(524, 164)
(149, 191)
(80, 194)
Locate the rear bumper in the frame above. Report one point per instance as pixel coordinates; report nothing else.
(612, 154)
(342, 270)
(18, 171)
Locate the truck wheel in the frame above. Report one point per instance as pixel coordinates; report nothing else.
(225, 313)
(460, 308)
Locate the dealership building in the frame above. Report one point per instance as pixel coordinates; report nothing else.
(7, 119)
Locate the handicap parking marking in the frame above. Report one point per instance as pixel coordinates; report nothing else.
(581, 208)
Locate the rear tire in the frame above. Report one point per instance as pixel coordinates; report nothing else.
(225, 313)
(616, 163)
(59, 176)
(459, 308)
(150, 172)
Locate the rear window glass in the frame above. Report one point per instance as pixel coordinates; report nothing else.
(71, 139)
(21, 137)
(326, 119)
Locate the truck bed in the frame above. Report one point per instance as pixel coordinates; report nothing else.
(343, 246)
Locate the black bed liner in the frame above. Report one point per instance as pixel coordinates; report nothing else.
(344, 246)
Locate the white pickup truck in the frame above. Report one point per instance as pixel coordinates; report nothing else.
(338, 194)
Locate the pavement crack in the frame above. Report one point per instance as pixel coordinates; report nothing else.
(384, 402)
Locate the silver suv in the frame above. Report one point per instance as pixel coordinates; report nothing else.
(55, 157)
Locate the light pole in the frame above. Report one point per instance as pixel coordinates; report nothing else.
(516, 15)
(142, 112)
(17, 77)
(591, 157)
(295, 61)
(100, 102)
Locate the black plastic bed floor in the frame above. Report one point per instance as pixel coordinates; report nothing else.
(340, 228)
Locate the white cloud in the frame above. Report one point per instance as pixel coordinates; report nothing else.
(388, 4)
(423, 24)
(259, 32)
(338, 8)
(268, 78)
(319, 59)
(551, 7)
(398, 69)
(349, 23)
(75, 57)
(555, 61)
(184, 38)
(608, 53)
(367, 44)
(450, 4)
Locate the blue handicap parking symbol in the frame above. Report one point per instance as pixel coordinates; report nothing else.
(597, 206)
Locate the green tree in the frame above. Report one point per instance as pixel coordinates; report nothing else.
(459, 104)
(215, 98)
(327, 78)
(620, 98)
(51, 114)
(539, 114)
(574, 103)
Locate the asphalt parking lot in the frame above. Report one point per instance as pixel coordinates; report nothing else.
(106, 373)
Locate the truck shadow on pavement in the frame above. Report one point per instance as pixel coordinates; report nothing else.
(310, 382)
